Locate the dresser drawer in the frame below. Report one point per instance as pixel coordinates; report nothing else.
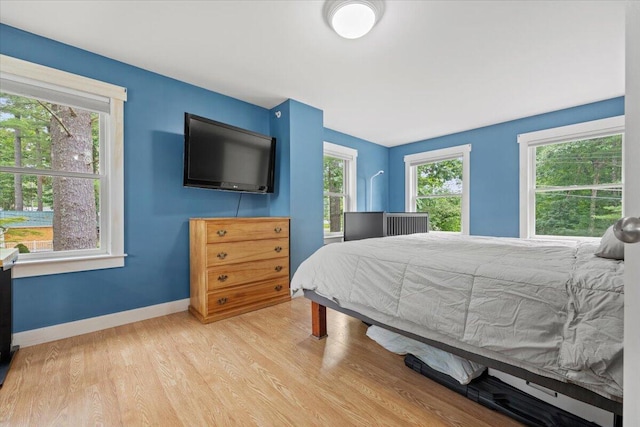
(236, 252)
(247, 296)
(237, 274)
(235, 231)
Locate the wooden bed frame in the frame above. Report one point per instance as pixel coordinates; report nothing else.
(319, 306)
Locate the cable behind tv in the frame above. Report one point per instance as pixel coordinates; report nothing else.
(238, 208)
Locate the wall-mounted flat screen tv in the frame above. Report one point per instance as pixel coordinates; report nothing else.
(224, 157)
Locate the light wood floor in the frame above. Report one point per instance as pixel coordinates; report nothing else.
(262, 368)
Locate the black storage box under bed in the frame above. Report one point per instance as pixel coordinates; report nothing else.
(504, 398)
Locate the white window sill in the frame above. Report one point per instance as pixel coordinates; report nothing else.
(41, 267)
(333, 238)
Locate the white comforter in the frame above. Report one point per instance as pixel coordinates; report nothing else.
(551, 307)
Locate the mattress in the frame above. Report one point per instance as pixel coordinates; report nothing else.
(551, 307)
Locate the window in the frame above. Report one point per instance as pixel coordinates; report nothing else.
(61, 169)
(437, 182)
(339, 186)
(571, 179)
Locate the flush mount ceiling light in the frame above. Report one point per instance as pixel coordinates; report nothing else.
(353, 19)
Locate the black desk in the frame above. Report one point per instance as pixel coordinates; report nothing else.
(7, 258)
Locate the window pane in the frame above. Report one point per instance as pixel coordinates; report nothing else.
(443, 177)
(444, 212)
(577, 213)
(42, 135)
(586, 162)
(334, 175)
(333, 214)
(47, 213)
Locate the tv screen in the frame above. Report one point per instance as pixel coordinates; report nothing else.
(224, 157)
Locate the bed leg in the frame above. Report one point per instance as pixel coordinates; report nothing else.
(318, 320)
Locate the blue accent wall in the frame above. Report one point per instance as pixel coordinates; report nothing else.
(300, 128)
(371, 158)
(281, 130)
(306, 181)
(494, 183)
(157, 206)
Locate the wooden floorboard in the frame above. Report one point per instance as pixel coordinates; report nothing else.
(262, 368)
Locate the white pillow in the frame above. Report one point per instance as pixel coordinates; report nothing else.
(461, 369)
(610, 246)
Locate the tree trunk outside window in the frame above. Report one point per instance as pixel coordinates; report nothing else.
(334, 214)
(17, 144)
(74, 206)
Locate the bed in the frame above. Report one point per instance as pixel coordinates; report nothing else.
(549, 312)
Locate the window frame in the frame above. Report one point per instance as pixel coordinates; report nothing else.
(350, 156)
(528, 142)
(111, 253)
(411, 163)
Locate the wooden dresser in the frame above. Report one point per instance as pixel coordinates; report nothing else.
(237, 265)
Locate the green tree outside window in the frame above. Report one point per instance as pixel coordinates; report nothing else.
(440, 193)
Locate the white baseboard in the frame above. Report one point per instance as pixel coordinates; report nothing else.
(79, 327)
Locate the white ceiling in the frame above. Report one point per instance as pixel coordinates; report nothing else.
(428, 68)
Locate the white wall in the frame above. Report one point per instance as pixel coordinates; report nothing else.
(632, 201)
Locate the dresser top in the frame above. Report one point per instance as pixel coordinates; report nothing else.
(243, 218)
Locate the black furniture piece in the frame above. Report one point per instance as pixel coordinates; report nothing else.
(501, 397)
(365, 225)
(7, 351)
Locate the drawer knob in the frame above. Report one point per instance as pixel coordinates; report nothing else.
(223, 277)
(278, 249)
(222, 255)
(278, 268)
(278, 287)
(222, 300)
(221, 233)
(277, 229)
